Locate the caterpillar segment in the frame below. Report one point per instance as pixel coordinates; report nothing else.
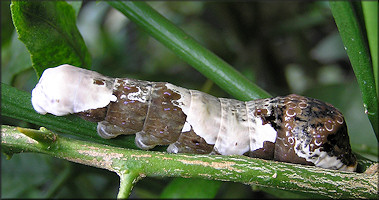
(291, 128)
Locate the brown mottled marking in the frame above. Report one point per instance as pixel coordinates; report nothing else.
(94, 115)
(98, 82)
(164, 120)
(127, 113)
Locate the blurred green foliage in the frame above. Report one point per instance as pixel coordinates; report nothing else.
(284, 47)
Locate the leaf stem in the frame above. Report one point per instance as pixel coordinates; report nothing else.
(370, 12)
(128, 179)
(190, 50)
(355, 45)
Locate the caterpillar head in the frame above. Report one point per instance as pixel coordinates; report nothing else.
(316, 133)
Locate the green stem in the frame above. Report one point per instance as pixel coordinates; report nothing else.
(355, 45)
(292, 177)
(370, 11)
(127, 180)
(190, 50)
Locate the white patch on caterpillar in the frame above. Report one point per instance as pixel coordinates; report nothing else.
(141, 96)
(322, 160)
(186, 127)
(234, 128)
(185, 100)
(67, 89)
(325, 161)
(261, 134)
(205, 113)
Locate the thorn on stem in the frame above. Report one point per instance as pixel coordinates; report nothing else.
(43, 136)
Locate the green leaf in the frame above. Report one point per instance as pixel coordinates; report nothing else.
(370, 11)
(48, 30)
(76, 5)
(355, 45)
(191, 188)
(190, 50)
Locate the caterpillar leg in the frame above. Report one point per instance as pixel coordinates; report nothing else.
(190, 142)
(144, 141)
(107, 130)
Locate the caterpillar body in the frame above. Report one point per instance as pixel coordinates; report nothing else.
(289, 128)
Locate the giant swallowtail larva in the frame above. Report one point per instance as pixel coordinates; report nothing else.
(290, 128)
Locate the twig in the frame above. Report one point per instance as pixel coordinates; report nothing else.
(133, 164)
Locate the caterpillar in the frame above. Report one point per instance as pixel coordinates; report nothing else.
(290, 128)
